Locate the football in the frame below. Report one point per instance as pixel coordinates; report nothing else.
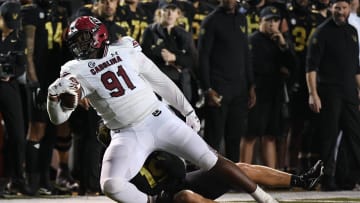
(69, 101)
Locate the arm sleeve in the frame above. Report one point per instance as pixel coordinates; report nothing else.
(20, 57)
(56, 114)
(162, 85)
(249, 64)
(314, 52)
(184, 56)
(206, 40)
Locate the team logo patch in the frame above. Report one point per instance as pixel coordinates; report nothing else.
(156, 112)
(159, 41)
(91, 64)
(135, 43)
(15, 16)
(354, 38)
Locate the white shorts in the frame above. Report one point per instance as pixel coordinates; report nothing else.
(162, 130)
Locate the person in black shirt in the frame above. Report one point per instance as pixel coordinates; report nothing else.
(333, 79)
(12, 50)
(169, 46)
(272, 61)
(226, 76)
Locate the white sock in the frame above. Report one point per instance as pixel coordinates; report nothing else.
(261, 196)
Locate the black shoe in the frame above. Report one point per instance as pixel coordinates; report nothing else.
(20, 188)
(313, 176)
(66, 182)
(329, 184)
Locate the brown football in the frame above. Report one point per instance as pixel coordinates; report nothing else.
(67, 100)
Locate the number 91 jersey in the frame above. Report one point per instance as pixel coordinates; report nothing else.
(113, 83)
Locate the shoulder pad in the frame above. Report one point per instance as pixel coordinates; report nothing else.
(129, 42)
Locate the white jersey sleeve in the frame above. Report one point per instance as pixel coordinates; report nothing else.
(163, 85)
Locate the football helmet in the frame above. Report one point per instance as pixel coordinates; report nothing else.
(85, 36)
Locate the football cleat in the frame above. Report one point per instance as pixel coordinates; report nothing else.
(313, 176)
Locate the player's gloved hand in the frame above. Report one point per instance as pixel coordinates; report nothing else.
(38, 96)
(62, 85)
(193, 121)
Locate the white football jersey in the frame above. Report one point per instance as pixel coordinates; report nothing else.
(121, 85)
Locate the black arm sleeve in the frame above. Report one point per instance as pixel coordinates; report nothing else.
(206, 41)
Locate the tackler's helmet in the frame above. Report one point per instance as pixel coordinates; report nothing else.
(85, 36)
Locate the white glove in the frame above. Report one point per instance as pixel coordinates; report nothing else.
(193, 121)
(62, 85)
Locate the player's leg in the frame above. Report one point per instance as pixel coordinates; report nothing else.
(63, 144)
(274, 178)
(188, 196)
(122, 160)
(183, 141)
(33, 145)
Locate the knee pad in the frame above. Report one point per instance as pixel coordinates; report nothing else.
(121, 190)
(63, 144)
(113, 185)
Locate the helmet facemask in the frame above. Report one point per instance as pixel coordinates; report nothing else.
(81, 45)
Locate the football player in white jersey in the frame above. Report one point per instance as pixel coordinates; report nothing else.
(120, 81)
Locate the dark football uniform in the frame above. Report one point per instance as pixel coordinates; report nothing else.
(200, 13)
(164, 174)
(253, 19)
(55, 24)
(301, 25)
(35, 16)
(134, 22)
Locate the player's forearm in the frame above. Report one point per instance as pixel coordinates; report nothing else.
(358, 81)
(311, 82)
(57, 114)
(30, 46)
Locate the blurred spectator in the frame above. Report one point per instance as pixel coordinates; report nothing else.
(354, 18)
(227, 76)
(187, 9)
(302, 22)
(252, 14)
(333, 79)
(202, 9)
(272, 59)
(43, 24)
(134, 18)
(169, 46)
(321, 8)
(13, 62)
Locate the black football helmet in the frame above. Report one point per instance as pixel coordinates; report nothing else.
(87, 37)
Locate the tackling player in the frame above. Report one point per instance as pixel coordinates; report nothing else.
(120, 81)
(164, 175)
